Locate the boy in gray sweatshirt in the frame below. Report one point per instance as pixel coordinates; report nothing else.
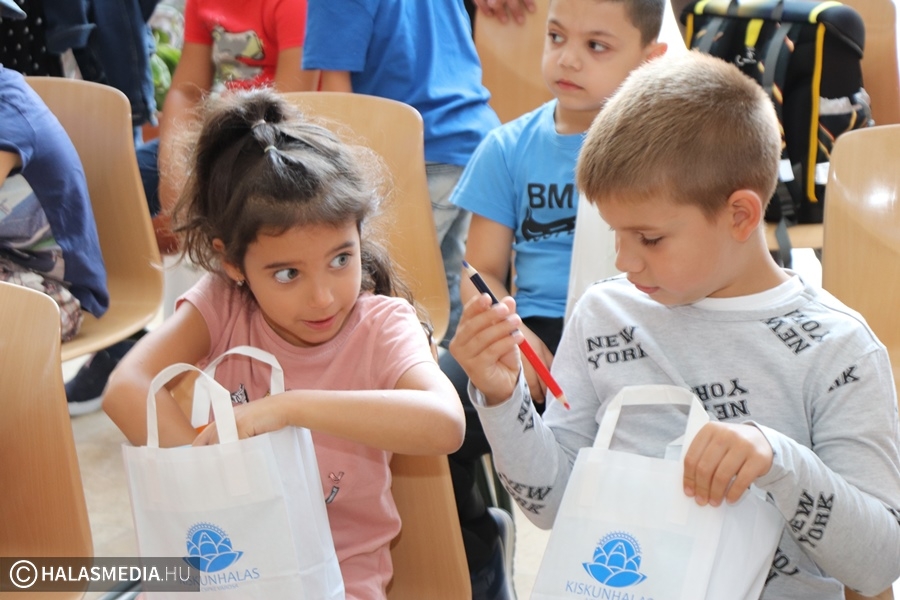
(681, 164)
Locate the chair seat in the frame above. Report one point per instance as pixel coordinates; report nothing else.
(133, 306)
(801, 236)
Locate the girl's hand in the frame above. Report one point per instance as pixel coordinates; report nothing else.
(254, 418)
(723, 460)
(486, 346)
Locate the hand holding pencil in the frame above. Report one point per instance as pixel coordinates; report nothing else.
(484, 346)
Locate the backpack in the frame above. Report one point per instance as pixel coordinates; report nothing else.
(807, 56)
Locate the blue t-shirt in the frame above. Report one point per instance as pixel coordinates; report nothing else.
(522, 176)
(415, 51)
(53, 178)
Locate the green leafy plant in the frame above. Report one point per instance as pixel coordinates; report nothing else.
(162, 65)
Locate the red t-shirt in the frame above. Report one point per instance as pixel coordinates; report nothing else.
(246, 37)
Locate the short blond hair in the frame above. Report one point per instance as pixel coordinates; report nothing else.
(690, 127)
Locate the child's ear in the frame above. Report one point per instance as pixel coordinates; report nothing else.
(233, 271)
(655, 50)
(745, 211)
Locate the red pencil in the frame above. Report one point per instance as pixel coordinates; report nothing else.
(539, 367)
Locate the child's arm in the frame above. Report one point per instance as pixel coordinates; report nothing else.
(183, 337)
(421, 415)
(192, 80)
(336, 81)
(289, 76)
(8, 162)
(840, 496)
(489, 251)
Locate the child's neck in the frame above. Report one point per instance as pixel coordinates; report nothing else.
(571, 122)
(758, 277)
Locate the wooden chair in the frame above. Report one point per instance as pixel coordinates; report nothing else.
(806, 235)
(511, 62)
(98, 120)
(394, 131)
(44, 512)
(861, 253)
(428, 555)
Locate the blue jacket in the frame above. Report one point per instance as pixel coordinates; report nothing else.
(111, 43)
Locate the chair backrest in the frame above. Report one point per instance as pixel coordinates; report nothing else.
(861, 252)
(44, 512)
(881, 74)
(98, 121)
(394, 131)
(428, 555)
(511, 62)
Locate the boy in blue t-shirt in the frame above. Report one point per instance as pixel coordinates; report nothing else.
(520, 187)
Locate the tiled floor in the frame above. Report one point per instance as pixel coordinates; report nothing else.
(99, 445)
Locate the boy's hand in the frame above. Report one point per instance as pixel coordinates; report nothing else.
(536, 386)
(723, 460)
(500, 8)
(486, 346)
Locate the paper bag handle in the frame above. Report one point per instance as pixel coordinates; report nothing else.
(213, 393)
(644, 395)
(200, 409)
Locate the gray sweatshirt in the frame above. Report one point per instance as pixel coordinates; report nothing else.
(806, 370)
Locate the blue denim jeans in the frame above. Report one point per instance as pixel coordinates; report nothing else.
(452, 225)
(147, 155)
(112, 44)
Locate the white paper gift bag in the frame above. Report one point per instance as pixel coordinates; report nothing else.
(626, 530)
(248, 515)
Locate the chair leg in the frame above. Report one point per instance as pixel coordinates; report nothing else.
(491, 488)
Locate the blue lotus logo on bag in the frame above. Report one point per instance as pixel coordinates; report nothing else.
(617, 561)
(209, 548)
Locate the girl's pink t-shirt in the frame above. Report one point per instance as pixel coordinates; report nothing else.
(380, 340)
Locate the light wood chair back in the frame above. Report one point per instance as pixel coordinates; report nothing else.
(394, 131)
(98, 121)
(881, 74)
(511, 62)
(861, 253)
(44, 512)
(428, 555)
